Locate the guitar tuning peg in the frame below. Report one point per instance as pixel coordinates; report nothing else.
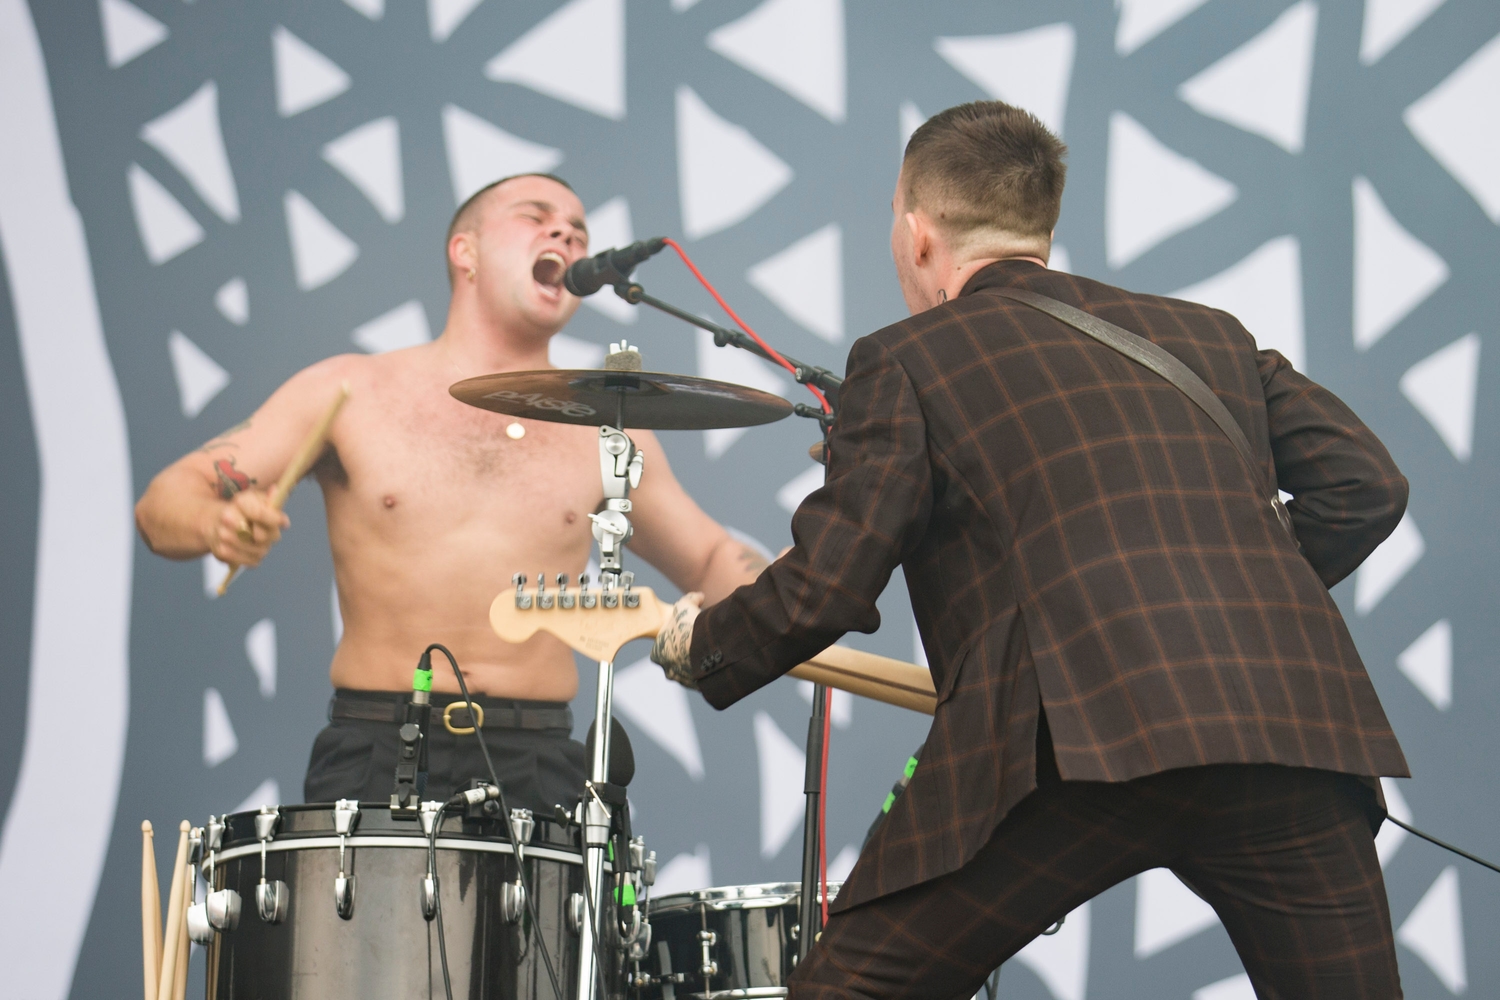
(632, 599)
(583, 580)
(565, 599)
(562, 581)
(523, 599)
(543, 595)
(588, 598)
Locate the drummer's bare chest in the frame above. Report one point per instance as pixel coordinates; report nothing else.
(442, 460)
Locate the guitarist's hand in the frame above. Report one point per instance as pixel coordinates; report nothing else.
(670, 650)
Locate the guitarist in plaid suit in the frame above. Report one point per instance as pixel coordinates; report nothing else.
(1137, 664)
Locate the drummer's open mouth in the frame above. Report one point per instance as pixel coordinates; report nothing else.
(548, 271)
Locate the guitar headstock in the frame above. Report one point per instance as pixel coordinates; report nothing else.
(594, 621)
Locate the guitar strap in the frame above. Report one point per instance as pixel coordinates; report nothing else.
(1148, 355)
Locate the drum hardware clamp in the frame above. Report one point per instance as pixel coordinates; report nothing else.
(429, 816)
(271, 898)
(199, 929)
(513, 894)
(706, 940)
(222, 905)
(345, 818)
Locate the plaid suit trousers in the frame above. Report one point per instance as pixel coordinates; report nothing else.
(1285, 855)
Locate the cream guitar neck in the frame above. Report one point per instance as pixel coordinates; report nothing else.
(597, 623)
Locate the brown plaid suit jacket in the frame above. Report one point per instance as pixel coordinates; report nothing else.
(1075, 532)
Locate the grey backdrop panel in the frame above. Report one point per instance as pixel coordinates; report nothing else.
(183, 643)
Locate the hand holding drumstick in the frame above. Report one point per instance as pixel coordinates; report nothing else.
(251, 523)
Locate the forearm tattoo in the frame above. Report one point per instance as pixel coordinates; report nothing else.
(752, 561)
(672, 644)
(231, 480)
(222, 440)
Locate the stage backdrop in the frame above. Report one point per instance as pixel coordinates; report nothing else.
(199, 199)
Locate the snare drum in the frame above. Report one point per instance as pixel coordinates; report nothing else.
(735, 941)
(331, 904)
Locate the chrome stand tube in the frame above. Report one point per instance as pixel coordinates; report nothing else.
(595, 841)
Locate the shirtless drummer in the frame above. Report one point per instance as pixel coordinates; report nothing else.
(432, 505)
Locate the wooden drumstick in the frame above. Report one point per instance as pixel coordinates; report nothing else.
(176, 919)
(307, 453)
(150, 911)
(184, 949)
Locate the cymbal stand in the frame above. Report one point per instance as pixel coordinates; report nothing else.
(810, 921)
(620, 467)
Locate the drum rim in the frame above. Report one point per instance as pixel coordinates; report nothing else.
(407, 843)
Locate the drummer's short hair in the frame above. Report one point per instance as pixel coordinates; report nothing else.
(467, 216)
(986, 172)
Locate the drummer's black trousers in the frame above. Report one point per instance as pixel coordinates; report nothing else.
(1284, 855)
(538, 762)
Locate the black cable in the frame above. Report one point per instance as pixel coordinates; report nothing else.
(536, 920)
(437, 895)
(1444, 845)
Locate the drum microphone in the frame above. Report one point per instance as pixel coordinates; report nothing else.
(609, 267)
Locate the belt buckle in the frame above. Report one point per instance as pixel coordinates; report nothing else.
(478, 718)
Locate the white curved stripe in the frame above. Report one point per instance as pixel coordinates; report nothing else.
(81, 615)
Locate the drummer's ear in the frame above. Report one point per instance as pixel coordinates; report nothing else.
(463, 256)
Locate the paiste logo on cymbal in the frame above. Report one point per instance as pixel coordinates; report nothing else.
(540, 402)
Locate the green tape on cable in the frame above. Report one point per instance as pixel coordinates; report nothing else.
(911, 767)
(890, 800)
(625, 894)
(421, 680)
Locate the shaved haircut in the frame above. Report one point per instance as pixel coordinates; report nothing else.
(466, 219)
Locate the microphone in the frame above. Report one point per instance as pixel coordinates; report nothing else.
(609, 267)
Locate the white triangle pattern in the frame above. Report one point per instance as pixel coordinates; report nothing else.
(684, 873)
(305, 77)
(1385, 567)
(1264, 292)
(1152, 192)
(609, 226)
(320, 252)
(190, 138)
(373, 9)
(730, 364)
(842, 863)
(1443, 386)
(219, 741)
(918, 650)
(1387, 22)
(1061, 960)
(592, 33)
(233, 301)
(480, 153)
(797, 45)
(214, 573)
(724, 173)
(564, 351)
(790, 496)
(1434, 931)
(337, 614)
(444, 16)
(1428, 664)
(199, 377)
(909, 118)
(1394, 272)
(1166, 912)
(1060, 259)
(260, 650)
(681, 5)
(660, 708)
(1391, 836)
(401, 327)
(1233, 988)
(782, 763)
(167, 229)
(1142, 20)
(1457, 123)
(1263, 86)
(806, 280)
(267, 793)
(128, 31)
(1031, 69)
(370, 156)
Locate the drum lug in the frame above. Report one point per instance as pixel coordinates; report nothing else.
(513, 902)
(271, 899)
(429, 896)
(709, 968)
(223, 909)
(199, 929)
(575, 913)
(639, 939)
(343, 895)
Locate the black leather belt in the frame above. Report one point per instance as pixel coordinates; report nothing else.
(494, 713)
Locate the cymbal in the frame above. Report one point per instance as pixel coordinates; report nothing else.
(647, 400)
